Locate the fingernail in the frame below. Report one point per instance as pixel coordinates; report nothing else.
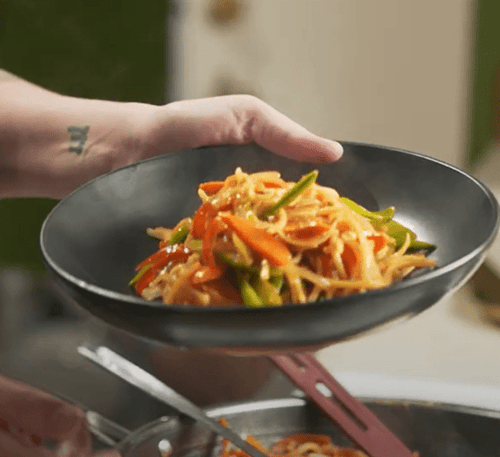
(336, 149)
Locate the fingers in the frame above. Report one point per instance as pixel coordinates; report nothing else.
(41, 415)
(11, 447)
(235, 119)
(279, 134)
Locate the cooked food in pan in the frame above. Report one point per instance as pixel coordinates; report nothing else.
(257, 240)
(297, 445)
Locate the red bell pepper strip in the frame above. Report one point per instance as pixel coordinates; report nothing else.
(160, 260)
(168, 254)
(210, 269)
(225, 289)
(203, 213)
(144, 280)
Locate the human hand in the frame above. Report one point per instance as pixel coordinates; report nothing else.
(30, 418)
(232, 119)
(51, 144)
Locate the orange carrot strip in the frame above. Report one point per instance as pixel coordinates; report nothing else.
(272, 185)
(224, 422)
(257, 444)
(343, 226)
(351, 259)
(303, 233)
(211, 187)
(380, 242)
(226, 444)
(259, 240)
(326, 265)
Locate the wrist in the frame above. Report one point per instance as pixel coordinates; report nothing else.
(52, 144)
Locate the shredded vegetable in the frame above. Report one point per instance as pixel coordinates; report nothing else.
(296, 445)
(270, 242)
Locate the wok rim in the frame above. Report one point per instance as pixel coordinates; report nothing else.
(216, 411)
(188, 309)
(285, 402)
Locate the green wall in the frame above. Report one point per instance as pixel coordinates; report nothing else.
(486, 64)
(113, 50)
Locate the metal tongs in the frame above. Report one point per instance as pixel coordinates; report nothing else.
(141, 379)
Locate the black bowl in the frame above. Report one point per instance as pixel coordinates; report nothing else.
(93, 239)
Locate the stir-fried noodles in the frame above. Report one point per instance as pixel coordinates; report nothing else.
(258, 240)
(297, 445)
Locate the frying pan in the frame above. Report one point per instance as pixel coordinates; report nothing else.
(431, 428)
(92, 240)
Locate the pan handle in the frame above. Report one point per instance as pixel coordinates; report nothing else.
(348, 413)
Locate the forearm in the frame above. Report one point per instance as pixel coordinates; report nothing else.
(50, 144)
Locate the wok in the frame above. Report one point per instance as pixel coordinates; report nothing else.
(92, 240)
(433, 429)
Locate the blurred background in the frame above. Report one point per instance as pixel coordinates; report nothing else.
(423, 76)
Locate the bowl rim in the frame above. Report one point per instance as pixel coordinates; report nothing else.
(187, 309)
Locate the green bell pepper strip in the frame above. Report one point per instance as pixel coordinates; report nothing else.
(382, 216)
(249, 296)
(254, 290)
(179, 235)
(394, 229)
(139, 274)
(266, 291)
(194, 245)
(240, 266)
(276, 282)
(292, 194)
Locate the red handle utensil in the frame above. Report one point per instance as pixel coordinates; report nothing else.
(347, 412)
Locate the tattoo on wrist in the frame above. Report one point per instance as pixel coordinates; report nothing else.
(78, 138)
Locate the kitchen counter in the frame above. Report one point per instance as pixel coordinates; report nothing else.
(449, 348)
